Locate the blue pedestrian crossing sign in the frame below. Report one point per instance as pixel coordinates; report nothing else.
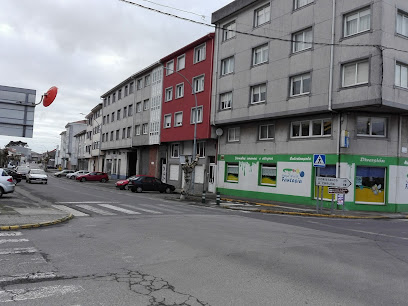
(319, 160)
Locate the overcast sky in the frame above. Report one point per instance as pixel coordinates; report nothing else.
(86, 47)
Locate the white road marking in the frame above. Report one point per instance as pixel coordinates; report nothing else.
(126, 211)
(37, 293)
(8, 234)
(142, 209)
(87, 202)
(13, 240)
(172, 209)
(17, 251)
(70, 210)
(97, 210)
(28, 276)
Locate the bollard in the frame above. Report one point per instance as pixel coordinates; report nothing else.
(218, 198)
(203, 197)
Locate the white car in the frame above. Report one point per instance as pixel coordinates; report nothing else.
(63, 173)
(74, 175)
(37, 175)
(6, 183)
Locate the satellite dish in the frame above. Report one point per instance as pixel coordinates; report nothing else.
(219, 132)
(49, 96)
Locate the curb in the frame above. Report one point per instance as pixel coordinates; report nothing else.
(35, 225)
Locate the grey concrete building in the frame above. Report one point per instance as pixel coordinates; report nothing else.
(303, 77)
(93, 153)
(82, 155)
(68, 151)
(131, 124)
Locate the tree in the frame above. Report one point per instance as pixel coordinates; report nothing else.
(16, 144)
(188, 168)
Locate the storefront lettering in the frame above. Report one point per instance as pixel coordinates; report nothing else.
(372, 160)
(301, 158)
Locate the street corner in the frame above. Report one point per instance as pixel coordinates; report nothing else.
(23, 222)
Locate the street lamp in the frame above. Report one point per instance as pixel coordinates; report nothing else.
(195, 121)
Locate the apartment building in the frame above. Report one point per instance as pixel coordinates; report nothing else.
(131, 124)
(187, 80)
(303, 77)
(93, 153)
(68, 151)
(81, 150)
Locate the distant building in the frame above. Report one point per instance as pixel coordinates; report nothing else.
(68, 153)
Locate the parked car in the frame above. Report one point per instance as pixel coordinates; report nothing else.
(6, 183)
(93, 176)
(63, 173)
(37, 176)
(124, 184)
(73, 176)
(17, 177)
(23, 170)
(150, 183)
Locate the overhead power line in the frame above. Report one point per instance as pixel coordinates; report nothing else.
(177, 9)
(259, 35)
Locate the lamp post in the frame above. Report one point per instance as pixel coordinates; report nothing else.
(195, 121)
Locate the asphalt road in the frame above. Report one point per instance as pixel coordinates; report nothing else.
(146, 249)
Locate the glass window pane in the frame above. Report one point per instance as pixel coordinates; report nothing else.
(364, 20)
(370, 185)
(296, 83)
(327, 126)
(268, 175)
(351, 25)
(305, 128)
(378, 126)
(362, 72)
(295, 129)
(317, 128)
(306, 84)
(404, 76)
(397, 75)
(263, 132)
(349, 75)
(363, 126)
(271, 131)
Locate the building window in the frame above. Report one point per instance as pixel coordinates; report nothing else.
(262, 15)
(227, 66)
(228, 31)
(268, 174)
(107, 119)
(145, 128)
(370, 185)
(260, 55)
(266, 132)
(130, 110)
(137, 129)
(126, 90)
(302, 40)
(226, 100)
(198, 84)
(167, 121)
(125, 112)
(114, 98)
(139, 84)
(147, 80)
(355, 73)
(117, 134)
(178, 119)
(300, 85)
(109, 100)
(258, 94)
(300, 3)
(179, 90)
(129, 132)
(181, 62)
(311, 128)
(402, 23)
(170, 67)
(233, 134)
(113, 117)
(104, 120)
(357, 22)
(146, 104)
(196, 113)
(138, 107)
(118, 115)
(232, 172)
(371, 126)
(200, 150)
(401, 75)
(131, 85)
(175, 150)
(199, 53)
(168, 94)
(119, 94)
(123, 133)
(111, 136)
(104, 102)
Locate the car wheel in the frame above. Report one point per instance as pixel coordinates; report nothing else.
(15, 181)
(103, 180)
(29, 181)
(139, 189)
(168, 190)
(45, 183)
(1, 192)
(58, 175)
(133, 190)
(126, 187)
(83, 179)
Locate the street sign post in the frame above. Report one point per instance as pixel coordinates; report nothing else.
(333, 182)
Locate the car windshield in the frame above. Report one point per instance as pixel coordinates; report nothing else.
(37, 171)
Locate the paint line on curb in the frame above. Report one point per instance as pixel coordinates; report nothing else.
(35, 225)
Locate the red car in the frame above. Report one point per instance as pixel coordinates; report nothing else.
(124, 184)
(94, 176)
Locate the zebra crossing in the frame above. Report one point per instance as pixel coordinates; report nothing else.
(23, 263)
(106, 208)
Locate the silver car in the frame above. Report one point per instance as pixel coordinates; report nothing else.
(6, 182)
(37, 176)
